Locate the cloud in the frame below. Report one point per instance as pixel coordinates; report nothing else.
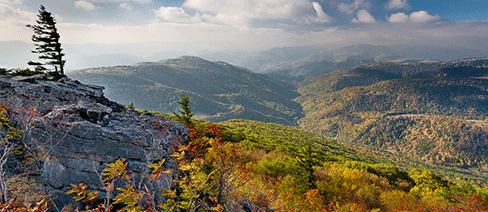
(177, 36)
(206, 26)
(175, 14)
(352, 7)
(363, 16)
(140, 1)
(13, 21)
(10, 12)
(125, 6)
(398, 18)
(195, 36)
(85, 5)
(243, 12)
(415, 17)
(423, 16)
(121, 1)
(322, 17)
(95, 4)
(11, 2)
(397, 4)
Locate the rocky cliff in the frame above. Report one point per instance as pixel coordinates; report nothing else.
(77, 132)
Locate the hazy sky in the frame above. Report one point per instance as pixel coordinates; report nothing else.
(193, 25)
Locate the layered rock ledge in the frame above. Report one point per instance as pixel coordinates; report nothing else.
(80, 132)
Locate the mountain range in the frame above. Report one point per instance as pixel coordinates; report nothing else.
(219, 91)
(298, 60)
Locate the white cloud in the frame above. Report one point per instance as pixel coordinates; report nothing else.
(198, 36)
(96, 4)
(180, 36)
(85, 5)
(206, 26)
(175, 14)
(242, 12)
(415, 17)
(13, 21)
(423, 16)
(121, 1)
(363, 16)
(11, 2)
(125, 6)
(397, 4)
(322, 17)
(10, 12)
(352, 7)
(398, 18)
(141, 1)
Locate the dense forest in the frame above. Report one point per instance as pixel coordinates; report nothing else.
(434, 111)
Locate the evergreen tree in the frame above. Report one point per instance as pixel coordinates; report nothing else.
(307, 158)
(46, 38)
(185, 114)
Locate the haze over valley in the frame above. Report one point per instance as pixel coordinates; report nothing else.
(275, 59)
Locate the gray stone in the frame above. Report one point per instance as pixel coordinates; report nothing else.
(81, 132)
(31, 79)
(44, 95)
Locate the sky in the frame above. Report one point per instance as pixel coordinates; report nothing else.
(219, 25)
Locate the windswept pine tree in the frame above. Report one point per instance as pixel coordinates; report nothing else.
(46, 38)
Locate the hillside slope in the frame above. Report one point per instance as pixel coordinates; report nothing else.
(431, 111)
(271, 137)
(218, 91)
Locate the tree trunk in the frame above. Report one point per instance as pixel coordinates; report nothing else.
(3, 187)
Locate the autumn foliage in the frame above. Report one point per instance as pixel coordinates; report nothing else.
(219, 169)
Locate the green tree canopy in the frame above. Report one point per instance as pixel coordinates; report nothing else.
(185, 114)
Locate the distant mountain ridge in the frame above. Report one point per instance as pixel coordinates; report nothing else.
(294, 60)
(314, 60)
(218, 91)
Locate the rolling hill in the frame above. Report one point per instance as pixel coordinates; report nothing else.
(435, 112)
(218, 91)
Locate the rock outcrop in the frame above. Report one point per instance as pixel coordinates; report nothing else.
(36, 91)
(80, 132)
